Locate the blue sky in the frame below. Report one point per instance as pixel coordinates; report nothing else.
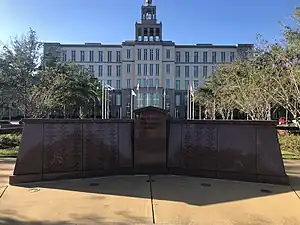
(112, 21)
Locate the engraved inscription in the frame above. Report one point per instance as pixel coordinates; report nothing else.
(199, 146)
(100, 146)
(62, 147)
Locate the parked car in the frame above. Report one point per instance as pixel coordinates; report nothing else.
(282, 120)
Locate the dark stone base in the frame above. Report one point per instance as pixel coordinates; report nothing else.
(15, 179)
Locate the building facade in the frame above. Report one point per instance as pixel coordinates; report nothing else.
(162, 70)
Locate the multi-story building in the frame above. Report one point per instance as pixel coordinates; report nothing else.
(162, 70)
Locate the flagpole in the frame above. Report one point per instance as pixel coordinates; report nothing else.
(193, 112)
(131, 103)
(164, 98)
(102, 100)
(188, 104)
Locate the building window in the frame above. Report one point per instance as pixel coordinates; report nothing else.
(139, 81)
(118, 56)
(213, 69)
(177, 100)
(128, 51)
(186, 84)
(168, 68)
(196, 71)
(157, 54)
(100, 56)
(91, 56)
(128, 83)
(177, 85)
(145, 82)
(109, 70)
(118, 84)
(157, 83)
(187, 57)
(177, 71)
(151, 69)
(145, 54)
(73, 55)
(151, 82)
(128, 68)
(139, 66)
(232, 56)
(64, 55)
(139, 54)
(157, 69)
(196, 84)
(109, 82)
(222, 57)
(151, 54)
(118, 99)
(118, 68)
(205, 57)
(168, 83)
(177, 56)
(168, 53)
(109, 53)
(196, 57)
(187, 71)
(214, 57)
(81, 68)
(205, 71)
(91, 69)
(82, 58)
(100, 71)
(145, 70)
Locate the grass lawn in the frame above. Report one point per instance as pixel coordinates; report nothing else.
(9, 153)
(290, 155)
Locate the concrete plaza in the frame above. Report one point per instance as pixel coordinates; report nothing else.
(145, 200)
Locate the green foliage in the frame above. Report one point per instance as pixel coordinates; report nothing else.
(10, 139)
(269, 77)
(290, 143)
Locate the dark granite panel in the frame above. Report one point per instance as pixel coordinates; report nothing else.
(269, 159)
(100, 146)
(125, 145)
(237, 148)
(30, 155)
(199, 146)
(62, 147)
(174, 146)
(150, 141)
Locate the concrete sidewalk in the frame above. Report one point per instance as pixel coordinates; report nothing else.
(164, 200)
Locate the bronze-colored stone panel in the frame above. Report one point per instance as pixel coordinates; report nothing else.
(100, 146)
(62, 147)
(199, 146)
(237, 148)
(30, 155)
(125, 144)
(150, 139)
(269, 159)
(174, 145)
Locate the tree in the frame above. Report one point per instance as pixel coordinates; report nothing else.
(19, 63)
(67, 89)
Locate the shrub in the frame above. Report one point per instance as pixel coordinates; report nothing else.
(290, 143)
(10, 139)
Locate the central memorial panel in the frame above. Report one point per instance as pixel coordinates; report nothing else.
(150, 140)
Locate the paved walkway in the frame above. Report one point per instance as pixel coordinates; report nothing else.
(163, 200)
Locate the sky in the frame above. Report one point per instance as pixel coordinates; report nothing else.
(113, 21)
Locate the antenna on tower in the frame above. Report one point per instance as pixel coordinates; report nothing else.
(148, 2)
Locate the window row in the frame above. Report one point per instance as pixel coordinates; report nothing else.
(187, 57)
(98, 56)
(194, 71)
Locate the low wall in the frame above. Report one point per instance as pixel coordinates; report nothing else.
(227, 149)
(54, 149)
(239, 150)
